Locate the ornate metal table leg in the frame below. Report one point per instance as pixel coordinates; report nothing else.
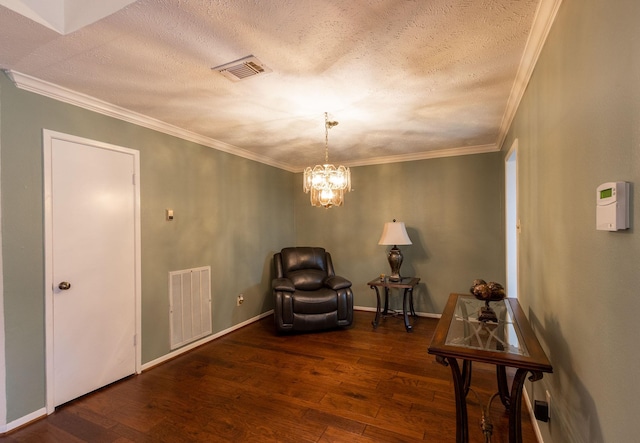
(503, 386)
(405, 301)
(413, 311)
(462, 425)
(515, 412)
(386, 300)
(377, 319)
(466, 376)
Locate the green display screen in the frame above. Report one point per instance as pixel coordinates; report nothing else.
(606, 193)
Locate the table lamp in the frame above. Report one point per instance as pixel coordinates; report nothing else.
(394, 233)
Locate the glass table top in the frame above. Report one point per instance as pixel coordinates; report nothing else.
(466, 330)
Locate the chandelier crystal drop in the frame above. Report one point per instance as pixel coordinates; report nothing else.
(326, 183)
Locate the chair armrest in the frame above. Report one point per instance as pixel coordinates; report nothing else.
(283, 284)
(336, 282)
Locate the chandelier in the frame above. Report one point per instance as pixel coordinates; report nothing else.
(327, 183)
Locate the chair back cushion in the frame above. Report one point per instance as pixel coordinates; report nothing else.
(306, 267)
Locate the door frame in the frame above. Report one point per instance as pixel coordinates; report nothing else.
(512, 220)
(48, 137)
(3, 367)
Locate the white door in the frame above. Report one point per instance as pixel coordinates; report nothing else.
(92, 261)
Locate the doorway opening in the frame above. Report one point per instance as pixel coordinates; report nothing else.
(512, 223)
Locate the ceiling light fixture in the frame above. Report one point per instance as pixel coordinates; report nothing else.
(327, 183)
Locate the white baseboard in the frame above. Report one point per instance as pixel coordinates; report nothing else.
(419, 314)
(202, 341)
(43, 412)
(209, 338)
(536, 425)
(24, 420)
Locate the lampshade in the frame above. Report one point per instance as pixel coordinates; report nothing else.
(394, 233)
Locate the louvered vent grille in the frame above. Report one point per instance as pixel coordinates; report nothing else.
(190, 305)
(246, 70)
(243, 68)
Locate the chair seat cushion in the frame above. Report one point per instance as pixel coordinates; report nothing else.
(317, 302)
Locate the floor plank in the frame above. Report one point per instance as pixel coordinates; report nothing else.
(253, 385)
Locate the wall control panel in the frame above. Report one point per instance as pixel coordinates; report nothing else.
(612, 206)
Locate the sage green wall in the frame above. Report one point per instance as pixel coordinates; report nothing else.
(230, 213)
(578, 126)
(452, 208)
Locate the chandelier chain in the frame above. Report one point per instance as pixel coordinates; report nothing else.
(326, 139)
(327, 125)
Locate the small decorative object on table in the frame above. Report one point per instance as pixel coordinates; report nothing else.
(491, 291)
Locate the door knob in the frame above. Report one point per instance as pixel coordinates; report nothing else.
(64, 285)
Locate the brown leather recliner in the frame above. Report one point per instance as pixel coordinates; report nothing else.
(308, 294)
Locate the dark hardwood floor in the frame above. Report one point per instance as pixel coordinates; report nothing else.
(353, 385)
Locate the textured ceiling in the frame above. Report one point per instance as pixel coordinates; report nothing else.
(404, 79)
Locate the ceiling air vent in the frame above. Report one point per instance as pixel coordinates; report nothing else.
(244, 68)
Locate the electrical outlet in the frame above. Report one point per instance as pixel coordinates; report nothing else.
(240, 300)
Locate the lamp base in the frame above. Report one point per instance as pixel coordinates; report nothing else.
(395, 259)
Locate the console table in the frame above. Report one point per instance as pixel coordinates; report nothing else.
(509, 342)
(406, 283)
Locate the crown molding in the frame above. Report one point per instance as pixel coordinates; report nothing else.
(35, 85)
(542, 22)
(426, 155)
